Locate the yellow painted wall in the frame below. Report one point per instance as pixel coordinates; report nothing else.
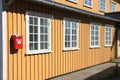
(95, 8)
(43, 66)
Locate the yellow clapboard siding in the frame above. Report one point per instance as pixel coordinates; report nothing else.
(43, 66)
(94, 8)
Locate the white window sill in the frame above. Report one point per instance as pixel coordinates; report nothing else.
(108, 45)
(73, 1)
(38, 52)
(102, 10)
(94, 46)
(71, 49)
(87, 6)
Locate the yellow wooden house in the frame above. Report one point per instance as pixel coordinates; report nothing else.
(58, 36)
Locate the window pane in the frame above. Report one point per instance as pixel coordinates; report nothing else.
(46, 37)
(109, 42)
(46, 29)
(106, 42)
(88, 2)
(35, 29)
(74, 44)
(106, 33)
(67, 24)
(66, 44)
(92, 27)
(74, 31)
(67, 31)
(92, 38)
(96, 42)
(41, 37)
(67, 38)
(74, 38)
(92, 43)
(41, 45)
(96, 28)
(31, 37)
(41, 29)
(107, 29)
(31, 20)
(92, 33)
(31, 46)
(35, 37)
(46, 45)
(35, 46)
(96, 32)
(96, 38)
(45, 22)
(113, 7)
(31, 29)
(41, 21)
(106, 38)
(110, 38)
(74, 25)
(35, 21)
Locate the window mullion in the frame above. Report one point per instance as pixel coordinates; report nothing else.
(28, 34)
(33, 34)
(39, 34)
(98, 35)
(49, 34)
(94, 36)
(70, 34)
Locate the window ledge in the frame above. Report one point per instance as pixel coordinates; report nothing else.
(73, 1)
(108, 45)
(102, 11)
(88, 6)
(95, 47)
(38, 52)
(71, 49)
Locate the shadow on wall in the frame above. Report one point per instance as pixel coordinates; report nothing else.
(114, 44)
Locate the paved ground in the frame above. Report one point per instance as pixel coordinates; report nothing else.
(100, 72)
(114, 78)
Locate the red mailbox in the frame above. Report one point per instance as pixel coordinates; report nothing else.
(17, 42)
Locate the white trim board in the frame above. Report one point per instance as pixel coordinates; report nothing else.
(3, 46)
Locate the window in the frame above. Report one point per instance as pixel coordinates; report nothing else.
(38, 32)
(103, 5)
(75, 1)
(113, 7)
(108, 35)
(94, 35)
(88, 3)
(70, 34)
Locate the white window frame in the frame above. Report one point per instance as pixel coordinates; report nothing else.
(71, 20)
(95, 46)
(102, 6)
(38, 15)
(111, 7)
(88, 5)
(75, 1)
(107, 26)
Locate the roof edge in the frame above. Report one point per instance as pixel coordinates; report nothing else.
(63, 6)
